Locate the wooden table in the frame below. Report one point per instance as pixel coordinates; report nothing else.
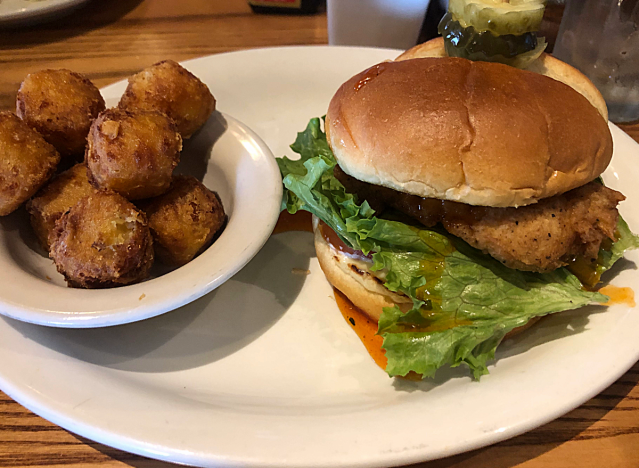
(109, 40)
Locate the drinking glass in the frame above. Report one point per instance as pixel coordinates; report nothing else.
(601, 38)
(376, 23)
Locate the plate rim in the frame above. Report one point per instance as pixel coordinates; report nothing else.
(41, 12)
(152, 451)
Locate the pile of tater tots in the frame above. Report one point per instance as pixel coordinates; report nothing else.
(98, 183)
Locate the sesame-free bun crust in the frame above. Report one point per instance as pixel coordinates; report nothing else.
(544, 65)
(474, 132)
(432, 48)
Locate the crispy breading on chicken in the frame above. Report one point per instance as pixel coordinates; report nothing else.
(546, 235)
(540, 237)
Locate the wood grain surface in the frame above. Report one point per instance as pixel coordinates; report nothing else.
(109, 40)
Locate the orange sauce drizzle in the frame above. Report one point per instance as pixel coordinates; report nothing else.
(365, 328)
(619, 295)
(300, 221)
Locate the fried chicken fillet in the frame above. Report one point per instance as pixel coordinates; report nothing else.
(540, 237)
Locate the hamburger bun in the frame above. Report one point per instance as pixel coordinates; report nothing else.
(356, 281)
(473, 132)
(545, 65)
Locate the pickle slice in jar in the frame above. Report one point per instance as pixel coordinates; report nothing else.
(500, 17)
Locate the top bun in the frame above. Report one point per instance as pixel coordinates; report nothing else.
(544, 65)
(474, 132)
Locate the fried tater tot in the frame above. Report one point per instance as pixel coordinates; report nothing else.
(102, 241)
(184, 220)
(27, 161)
(55, 198)
(60, 105)
(133, 152)
(169, 88)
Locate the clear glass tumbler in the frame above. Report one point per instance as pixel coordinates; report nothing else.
(601, 38)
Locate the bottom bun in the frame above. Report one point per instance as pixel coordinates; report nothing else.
(364, 289)
(360, 286)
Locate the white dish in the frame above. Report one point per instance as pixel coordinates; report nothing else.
(264, 371)
(230, 159)
(14, 12)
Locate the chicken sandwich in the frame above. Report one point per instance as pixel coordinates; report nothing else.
(457, 201)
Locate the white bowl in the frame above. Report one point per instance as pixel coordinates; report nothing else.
(231, 160)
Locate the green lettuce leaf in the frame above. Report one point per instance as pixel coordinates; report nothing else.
(627, 241)
(463, 301)
(480, 304)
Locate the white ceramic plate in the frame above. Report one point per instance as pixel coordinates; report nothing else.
(230, 159)
(265, 372)
(13, 12)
